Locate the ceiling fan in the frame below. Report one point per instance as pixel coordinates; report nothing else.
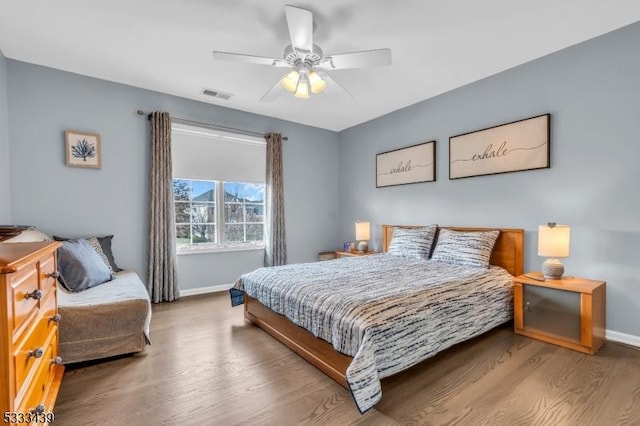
(306, 60)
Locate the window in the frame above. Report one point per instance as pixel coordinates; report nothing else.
(239, 223)
(195, 204)
(243, 212)
(218, 189)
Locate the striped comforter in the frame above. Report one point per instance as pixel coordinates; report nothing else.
(385, 311)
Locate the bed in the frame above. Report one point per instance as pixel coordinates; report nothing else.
(378, 315)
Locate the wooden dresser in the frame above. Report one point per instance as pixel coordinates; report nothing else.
(30, 369)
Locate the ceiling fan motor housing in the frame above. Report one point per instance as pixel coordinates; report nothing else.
(294, 56)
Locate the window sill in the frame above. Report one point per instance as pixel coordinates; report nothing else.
(221, 249)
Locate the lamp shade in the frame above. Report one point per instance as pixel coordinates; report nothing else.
(290, 81)
(553, 241)
(317, 83)
(363, 231)
(302, 90)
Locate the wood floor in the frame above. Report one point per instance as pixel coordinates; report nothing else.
(207, 366)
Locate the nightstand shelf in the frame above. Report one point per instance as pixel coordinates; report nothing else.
(340, 254)
(569, 312)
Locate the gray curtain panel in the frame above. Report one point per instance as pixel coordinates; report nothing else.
(275, 252)
(163, 283)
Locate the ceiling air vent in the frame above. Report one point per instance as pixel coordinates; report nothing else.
(217, 94)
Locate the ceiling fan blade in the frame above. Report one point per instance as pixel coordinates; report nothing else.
(250, 59)
(366, 58)
(274, 93)
(333, 87)
(300, 22)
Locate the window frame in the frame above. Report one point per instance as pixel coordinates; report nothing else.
(220, 244)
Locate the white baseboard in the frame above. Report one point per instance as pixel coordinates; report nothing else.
(204, 290)
(628, 339)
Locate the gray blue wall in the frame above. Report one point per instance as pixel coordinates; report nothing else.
(592, 91)
(43, 102)
(5, 201)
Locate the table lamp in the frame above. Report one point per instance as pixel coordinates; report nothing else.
(363, 234)
(553, 243)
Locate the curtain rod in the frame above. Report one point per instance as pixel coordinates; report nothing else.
(211, 126)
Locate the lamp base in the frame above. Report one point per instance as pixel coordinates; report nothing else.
(363, 247)
(552, 269)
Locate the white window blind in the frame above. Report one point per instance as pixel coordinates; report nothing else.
(200, 153)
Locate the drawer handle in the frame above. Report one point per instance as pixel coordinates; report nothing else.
(35, 294)
(38, 410)
(57, 360)
(36, 353)
(55, 318)
(55, 275)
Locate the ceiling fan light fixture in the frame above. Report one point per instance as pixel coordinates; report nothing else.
(302, 90)
(317, 82)
(307, 66)
(290, 81)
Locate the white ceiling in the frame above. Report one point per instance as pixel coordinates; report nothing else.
(166, 45)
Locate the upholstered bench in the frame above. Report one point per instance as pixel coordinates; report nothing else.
(104, 321)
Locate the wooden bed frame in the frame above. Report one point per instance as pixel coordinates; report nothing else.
(507, 253)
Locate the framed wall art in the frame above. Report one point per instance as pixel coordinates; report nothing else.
(413, 164)
(82, 149)
(512, 147)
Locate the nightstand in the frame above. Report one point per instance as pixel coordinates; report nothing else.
(568, 312)
(340, 254)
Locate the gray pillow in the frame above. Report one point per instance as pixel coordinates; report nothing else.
(412, 242)
(105, 244)
(80, 266)
(465, 248)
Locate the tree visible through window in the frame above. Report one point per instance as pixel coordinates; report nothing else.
(243, 212)
(199, 220)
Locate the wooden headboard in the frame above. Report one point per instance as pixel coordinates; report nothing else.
(507, 253)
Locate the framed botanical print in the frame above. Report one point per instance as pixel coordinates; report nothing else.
(82, 149)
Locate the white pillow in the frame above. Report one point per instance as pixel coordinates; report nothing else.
(29, 236)
(412, 242)
(465, 248)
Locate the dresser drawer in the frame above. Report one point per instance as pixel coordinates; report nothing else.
(44, 388)
(24, 301)
(39, 386)
(47, 274)
(25, 363)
